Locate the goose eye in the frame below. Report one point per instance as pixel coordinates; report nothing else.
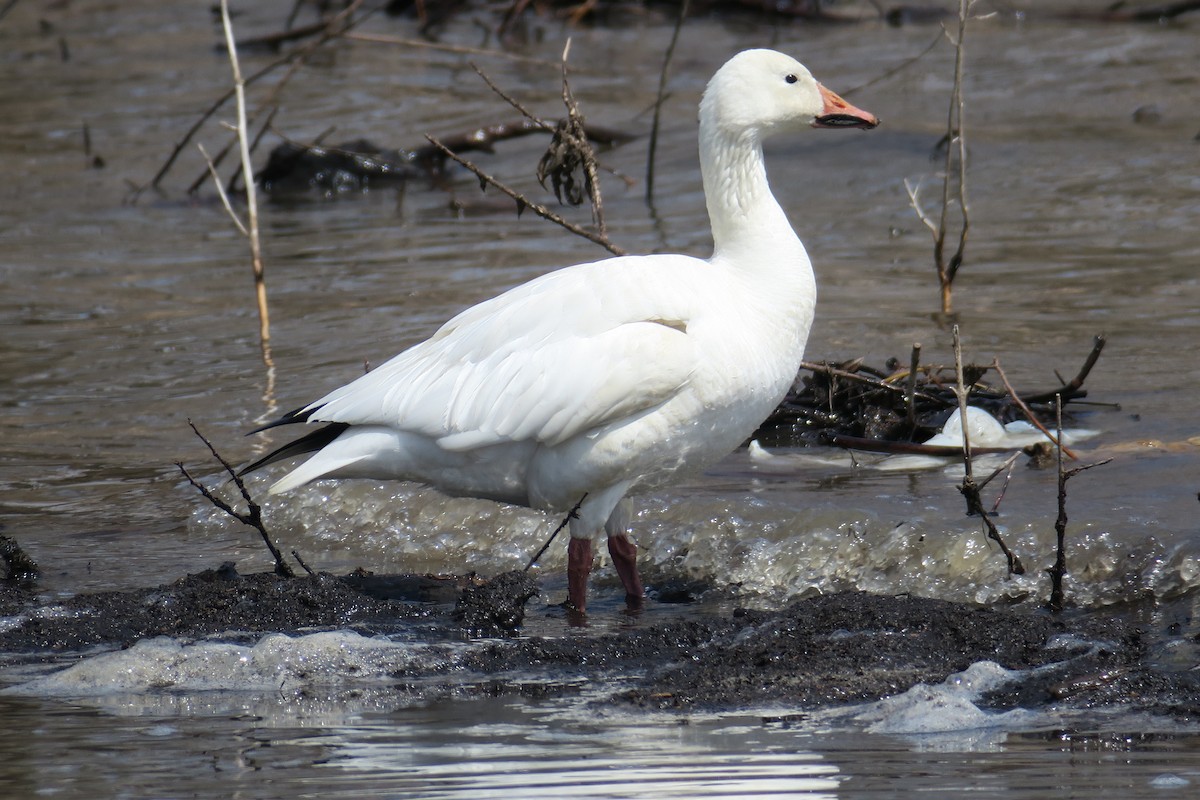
(791, 79)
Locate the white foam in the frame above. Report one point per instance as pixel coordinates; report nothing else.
(946, 715)
(276, 662)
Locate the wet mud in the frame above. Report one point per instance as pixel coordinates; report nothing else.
(817, 652)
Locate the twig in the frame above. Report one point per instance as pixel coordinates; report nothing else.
(300, 561)
(254, 516)
(572, 514)
(660, 97)
(212, 170)
(867, 379)
(524, 202)
(1009, 464)
(903, 65)
(960, 391)
(955, 131)
(1071, 390)
(968, 487)
(1059, 570)
(512, 101)
(910, 401)
(1029, 415)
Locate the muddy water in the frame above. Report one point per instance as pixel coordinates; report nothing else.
(120, 321)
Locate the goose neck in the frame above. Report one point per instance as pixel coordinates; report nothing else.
(741, 208)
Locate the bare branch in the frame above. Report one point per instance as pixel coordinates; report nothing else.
(253, 517)
(1029, 415)
(660, 97)
(524, 202)
(212, 170)
(572, 514)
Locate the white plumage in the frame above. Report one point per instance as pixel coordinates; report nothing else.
(612, 377)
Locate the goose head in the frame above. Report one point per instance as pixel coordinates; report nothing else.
(760, 92)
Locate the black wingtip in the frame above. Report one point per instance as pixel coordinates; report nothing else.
(296, 415)
(305, 444)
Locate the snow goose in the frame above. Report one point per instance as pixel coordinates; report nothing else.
(605, 379)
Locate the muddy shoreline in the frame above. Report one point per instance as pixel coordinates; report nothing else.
(817, 652)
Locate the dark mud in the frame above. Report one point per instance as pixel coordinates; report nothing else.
(820, 651)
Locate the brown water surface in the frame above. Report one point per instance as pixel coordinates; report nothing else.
(119, 321)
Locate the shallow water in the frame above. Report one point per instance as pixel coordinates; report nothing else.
(123, 320)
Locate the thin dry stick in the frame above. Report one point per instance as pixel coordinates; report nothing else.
(956, 134)
(524, 202)
(512, 101)
(212, 170)
(1029, 415)
(969, 488)
(579, 141)
(960, 391)
(659, 98)
(254, 516)
(896, 69)
(1009, 465)
(572, 514)
(910, 401)
(1059, 570)
(260, 285)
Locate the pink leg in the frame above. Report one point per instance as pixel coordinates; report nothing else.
(579, 566)
(624, 558)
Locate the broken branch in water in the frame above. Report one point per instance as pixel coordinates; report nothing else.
(1059, 570)
(1029, 415)
(1072, 390)
(524, 202)
(253, 517)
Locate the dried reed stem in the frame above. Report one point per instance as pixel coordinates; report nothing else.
(260, 284)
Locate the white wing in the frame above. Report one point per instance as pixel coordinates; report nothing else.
(550, 359)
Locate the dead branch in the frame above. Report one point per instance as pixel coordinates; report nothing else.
(569, 152)
(1070, 390)
(660, 97)
(910, 400)
(955, 129)
(969, 488)
(523, 202)
(1029, 415)
(1059, 570)
(878, 383)
(903, 65)
(572, 514)
(253, 517)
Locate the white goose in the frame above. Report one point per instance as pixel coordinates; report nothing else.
(605, 379)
